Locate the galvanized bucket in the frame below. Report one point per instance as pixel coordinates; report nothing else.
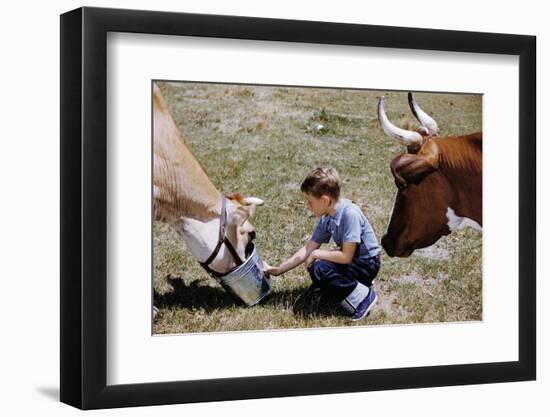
(248, 282)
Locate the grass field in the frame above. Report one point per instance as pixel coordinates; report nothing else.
(262, 141)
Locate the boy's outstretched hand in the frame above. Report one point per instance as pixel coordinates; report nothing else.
(271, 270)
(310, 259)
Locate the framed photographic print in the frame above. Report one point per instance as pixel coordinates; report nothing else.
(256, 208)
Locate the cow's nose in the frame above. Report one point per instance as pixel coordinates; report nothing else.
(387, 244)
(395, 247)
(252, 235)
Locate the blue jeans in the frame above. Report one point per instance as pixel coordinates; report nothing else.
(339, 280)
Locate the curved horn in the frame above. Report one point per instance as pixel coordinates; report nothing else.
(426, 121)
(405, 137)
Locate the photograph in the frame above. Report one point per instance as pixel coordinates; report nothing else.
(280, 207)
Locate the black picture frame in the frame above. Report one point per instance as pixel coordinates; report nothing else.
(84, 207)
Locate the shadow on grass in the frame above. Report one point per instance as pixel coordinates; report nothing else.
(313, 303)
(304, 303)
(192, 296)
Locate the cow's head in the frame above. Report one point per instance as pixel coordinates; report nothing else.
(418, 218)
(240, 230)
(202, 235)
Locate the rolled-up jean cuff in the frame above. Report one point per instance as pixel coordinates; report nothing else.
(352, 301)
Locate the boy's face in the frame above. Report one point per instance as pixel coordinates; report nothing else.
(318, 206)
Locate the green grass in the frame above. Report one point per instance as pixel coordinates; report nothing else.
(262, 141)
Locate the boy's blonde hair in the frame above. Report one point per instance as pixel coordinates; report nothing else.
(322, 181)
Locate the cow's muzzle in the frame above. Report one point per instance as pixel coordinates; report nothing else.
(393, 249)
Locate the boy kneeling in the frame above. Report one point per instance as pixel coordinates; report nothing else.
(347, 273)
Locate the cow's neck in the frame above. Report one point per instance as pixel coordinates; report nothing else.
(183, 192)
(467, 195)
(181, 186)
(200, 236)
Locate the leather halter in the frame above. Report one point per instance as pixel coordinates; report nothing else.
(222, 238)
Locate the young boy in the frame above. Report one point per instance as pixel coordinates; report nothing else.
(346, 273)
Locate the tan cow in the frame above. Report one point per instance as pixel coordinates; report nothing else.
(185, 198)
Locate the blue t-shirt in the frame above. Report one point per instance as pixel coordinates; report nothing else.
(348, 224)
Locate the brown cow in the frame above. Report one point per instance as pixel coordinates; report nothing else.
(439, 184)
(185, 197)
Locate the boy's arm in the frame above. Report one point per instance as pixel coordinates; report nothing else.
(351, 237)
(299, 257)
(343, 256)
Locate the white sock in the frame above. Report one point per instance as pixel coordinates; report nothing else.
(352, 301)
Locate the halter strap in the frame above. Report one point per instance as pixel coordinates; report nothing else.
(222, 238)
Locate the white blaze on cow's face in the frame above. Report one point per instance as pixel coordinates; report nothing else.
(201, 237)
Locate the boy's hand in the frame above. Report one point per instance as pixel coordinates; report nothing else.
(270, 270)
(309, 260)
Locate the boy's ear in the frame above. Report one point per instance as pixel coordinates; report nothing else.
(326, 199)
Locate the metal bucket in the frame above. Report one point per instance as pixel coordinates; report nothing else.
(248, 282)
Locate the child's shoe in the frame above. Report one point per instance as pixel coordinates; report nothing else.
(365, 306)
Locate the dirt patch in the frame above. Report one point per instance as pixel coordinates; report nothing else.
(426, 284)
(437, 252)
(292, 186)
(386, 302)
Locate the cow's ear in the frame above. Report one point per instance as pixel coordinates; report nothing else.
(236, 197)
(245, 208)
(243, 213)
(253, 201)
(237, 214)
(412, 168)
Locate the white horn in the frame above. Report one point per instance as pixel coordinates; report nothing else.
(405, 137)
(426, 121)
